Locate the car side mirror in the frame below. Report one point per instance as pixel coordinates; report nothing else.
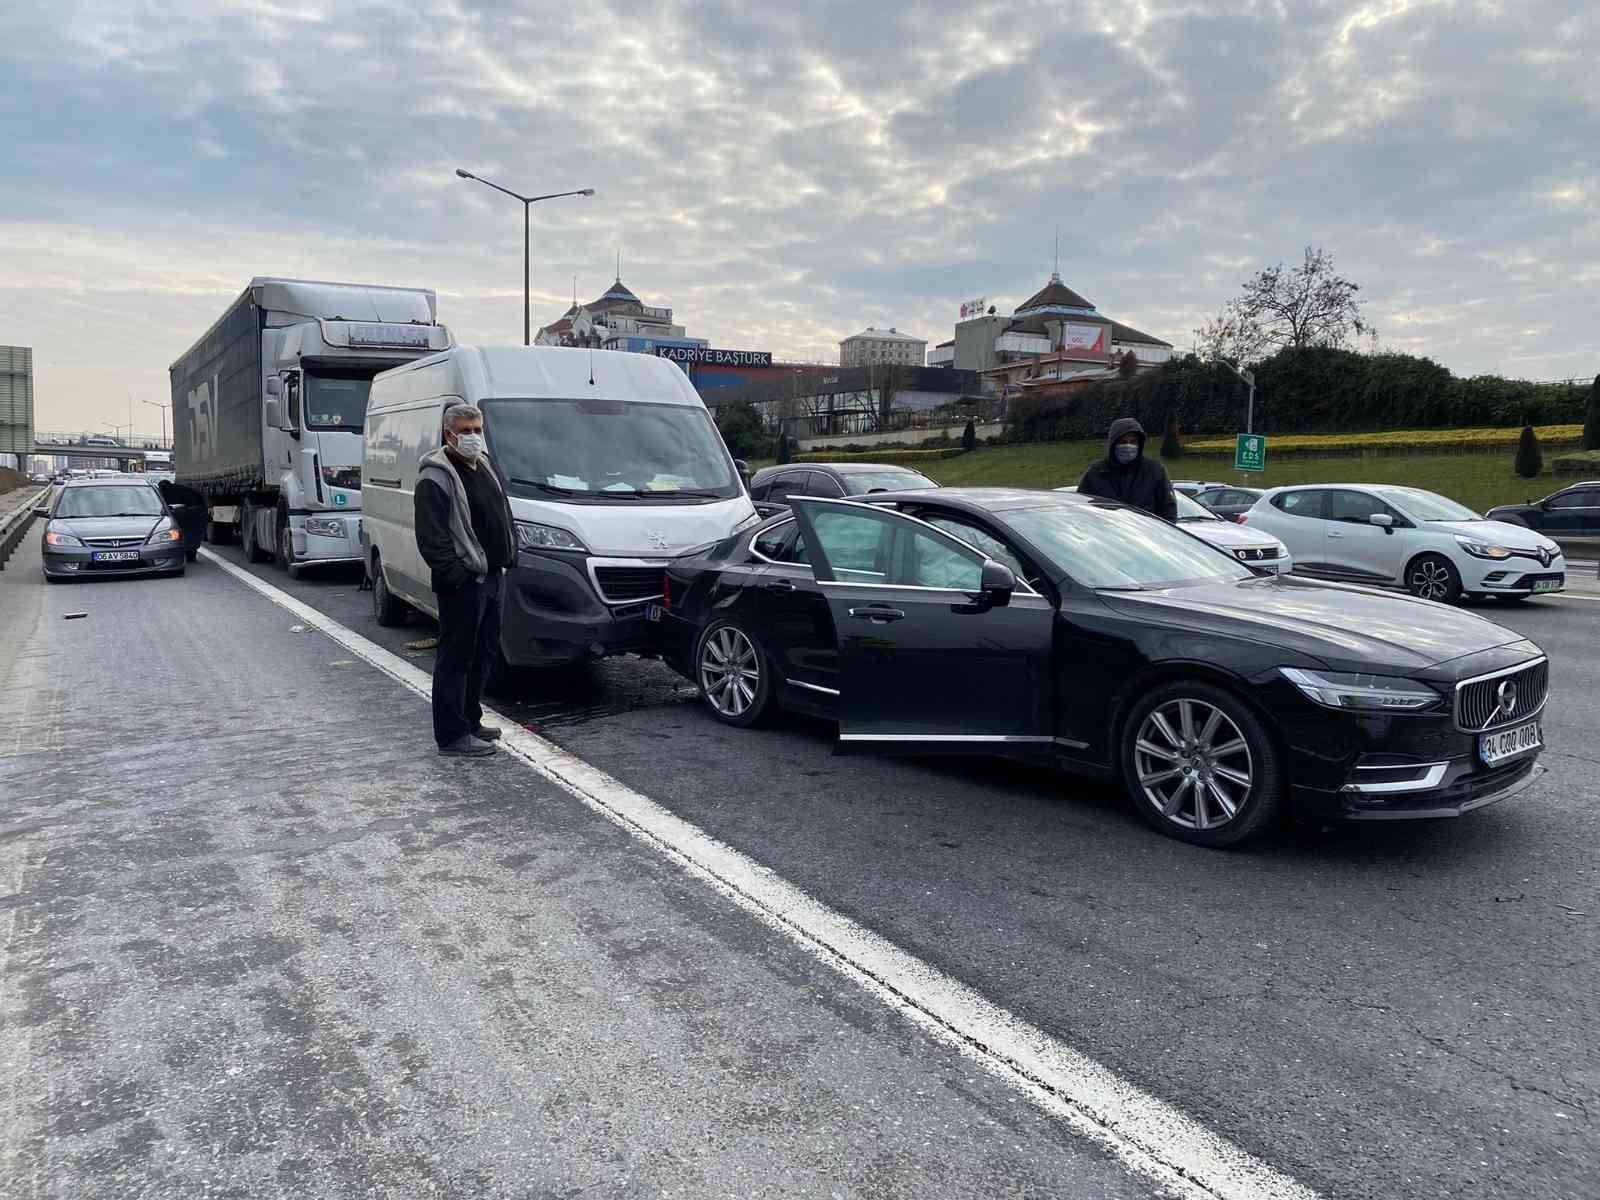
(42, 512)
(1383, 521)
(743, 468)
(997, 582)
(274, 411)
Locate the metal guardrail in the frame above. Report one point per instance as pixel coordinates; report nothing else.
(15, 527)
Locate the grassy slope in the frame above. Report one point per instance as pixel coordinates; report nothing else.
(1479, 481)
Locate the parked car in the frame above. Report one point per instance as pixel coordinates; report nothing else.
(1256, 548)
(109, 527)
(1228, 502)
(1193, 487)
(1406, 537)
(1570, 517)
(771, 487)
(1086, 634)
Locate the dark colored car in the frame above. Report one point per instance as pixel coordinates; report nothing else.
(1193, 487)
(1089, 635)
(1229, 502)
(110, 527)
(1570, 517)
(771, 487)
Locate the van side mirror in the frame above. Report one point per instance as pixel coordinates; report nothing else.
(274, 409)
(743, 468)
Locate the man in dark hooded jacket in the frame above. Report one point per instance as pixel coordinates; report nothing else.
(1125, 473)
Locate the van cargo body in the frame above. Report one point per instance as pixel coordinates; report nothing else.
(612, 467)
(267, 409)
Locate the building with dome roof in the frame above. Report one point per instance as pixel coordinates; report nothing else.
(1054, 335)
(618, 320)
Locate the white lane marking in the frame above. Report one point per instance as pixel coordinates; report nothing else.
(1149, 1136)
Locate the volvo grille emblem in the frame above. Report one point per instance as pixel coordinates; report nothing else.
(1507, 695)
(657, 539)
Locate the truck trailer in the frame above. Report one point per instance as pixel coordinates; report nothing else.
(268, 407)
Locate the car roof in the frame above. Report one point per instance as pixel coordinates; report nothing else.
(844, 468)
(984, 499)
(106, 481)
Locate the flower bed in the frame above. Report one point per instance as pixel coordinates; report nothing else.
(1402, 441)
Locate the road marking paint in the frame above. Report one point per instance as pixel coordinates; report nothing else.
(1146, 1134)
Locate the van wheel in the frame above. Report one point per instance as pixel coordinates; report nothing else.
(388, 609)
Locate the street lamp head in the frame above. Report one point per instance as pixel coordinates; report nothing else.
(465, 174)
(587, 192)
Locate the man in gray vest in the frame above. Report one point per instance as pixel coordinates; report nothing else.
(468, 538)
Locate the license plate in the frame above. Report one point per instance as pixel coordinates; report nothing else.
(115, 556)
(1496, 748)
(1548, 585)
(652, 612)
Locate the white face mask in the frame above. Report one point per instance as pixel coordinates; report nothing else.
(469, 445)
(1126, 453)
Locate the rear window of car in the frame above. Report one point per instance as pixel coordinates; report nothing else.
(861, 483)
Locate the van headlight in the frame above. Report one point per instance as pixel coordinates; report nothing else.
(546, 537)
(1363, 693)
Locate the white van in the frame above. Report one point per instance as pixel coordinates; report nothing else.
(612, 466)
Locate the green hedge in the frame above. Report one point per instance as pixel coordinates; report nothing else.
(1586, 463)
(1306, 391)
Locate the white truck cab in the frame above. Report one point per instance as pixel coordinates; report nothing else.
(612, 467)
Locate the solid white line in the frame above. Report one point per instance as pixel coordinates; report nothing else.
(1146, 1134)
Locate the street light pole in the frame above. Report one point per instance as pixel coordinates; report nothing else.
(1249, 378)
(527, 206)
(163, 408)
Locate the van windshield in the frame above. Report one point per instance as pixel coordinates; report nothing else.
(605, 450)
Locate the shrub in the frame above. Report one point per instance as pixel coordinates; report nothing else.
(1171, 442)
(1591, 423)
(742, 430)
(1400, 441)
(1586, 463)
(969, 437)
(1529, 461)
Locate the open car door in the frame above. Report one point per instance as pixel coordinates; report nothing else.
(189, 512)
(940, 648)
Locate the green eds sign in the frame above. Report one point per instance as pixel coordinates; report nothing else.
(1250, 453)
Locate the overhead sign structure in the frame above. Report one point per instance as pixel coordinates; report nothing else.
(16, 400)
(974, 308)
(715, 357)
(1250, 453)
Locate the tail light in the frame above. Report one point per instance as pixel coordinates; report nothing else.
(666, 589)
(1241, 518)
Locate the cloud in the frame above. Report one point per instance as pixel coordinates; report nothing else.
(787, 174)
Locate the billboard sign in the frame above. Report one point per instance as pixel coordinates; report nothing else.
(974, 308)
(1086, 341)
(16, 400)
(714, 357)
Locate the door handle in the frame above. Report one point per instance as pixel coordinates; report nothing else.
(1334, 534)
(878, 612)
(779, 585)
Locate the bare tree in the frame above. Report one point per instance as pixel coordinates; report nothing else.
(1283, 309)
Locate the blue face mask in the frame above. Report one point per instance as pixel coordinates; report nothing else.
(1125, 453)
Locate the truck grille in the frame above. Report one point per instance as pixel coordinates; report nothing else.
(627, 585)
(1502, 698)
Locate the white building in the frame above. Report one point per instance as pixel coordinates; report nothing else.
(873, 345)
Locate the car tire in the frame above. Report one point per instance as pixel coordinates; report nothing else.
(1226, 783)
(1433, 577)
(732, 673)
(388, 609)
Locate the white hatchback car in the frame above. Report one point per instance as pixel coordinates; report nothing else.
(1405, 537)
(1256, 548)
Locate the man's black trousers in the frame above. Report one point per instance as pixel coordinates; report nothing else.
(469, 638)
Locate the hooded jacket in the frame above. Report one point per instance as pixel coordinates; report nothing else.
(445, 536)
(1142, 483)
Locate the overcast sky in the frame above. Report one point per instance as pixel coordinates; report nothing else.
(785, 174)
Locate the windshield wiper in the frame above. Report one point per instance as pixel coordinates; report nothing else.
(543, 487)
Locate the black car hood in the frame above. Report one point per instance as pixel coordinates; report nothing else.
(1346, 627)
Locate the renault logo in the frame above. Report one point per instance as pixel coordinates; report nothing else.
(1507, 695)
(1544, 557)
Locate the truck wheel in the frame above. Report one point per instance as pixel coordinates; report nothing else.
(218, 534)
(387, 608)
(253, 551)
(284, 544)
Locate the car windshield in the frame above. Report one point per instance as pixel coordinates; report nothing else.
(136, 500)
(1427, 506)
(1121, 548)
(860, 483)
(1193, 510)
(606, 450)
(336, 399)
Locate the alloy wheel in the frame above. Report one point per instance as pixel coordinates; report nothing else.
(1193, 764)
(730, 671)
(1430, 579)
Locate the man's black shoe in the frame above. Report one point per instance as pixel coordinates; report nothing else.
(486, 733)
(467, 746)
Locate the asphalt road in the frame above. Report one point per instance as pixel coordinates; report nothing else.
(256, 939)
(1380, 1011)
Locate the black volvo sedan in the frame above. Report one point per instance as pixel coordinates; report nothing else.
(1056, 626)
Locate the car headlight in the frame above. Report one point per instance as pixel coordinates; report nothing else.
(1363, 693)
(1551, 549)
(546, 537)
(325, 526)
(162, 534)
(61, 539)
(1481, 549)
